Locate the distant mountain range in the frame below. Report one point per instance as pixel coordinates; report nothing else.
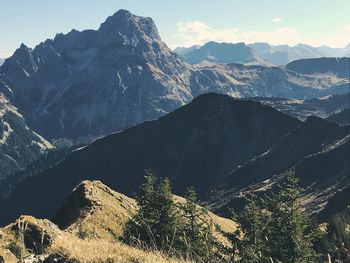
(278, 55)
(243, 143)
(213, 52)
(98, 81)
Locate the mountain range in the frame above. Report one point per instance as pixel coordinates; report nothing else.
(95, 82)
(215, 52)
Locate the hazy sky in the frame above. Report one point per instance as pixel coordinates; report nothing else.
(183, 22)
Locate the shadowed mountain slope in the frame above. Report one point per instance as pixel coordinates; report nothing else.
(196, 145)
(342, 117)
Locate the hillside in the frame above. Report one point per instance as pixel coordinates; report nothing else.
(89, 224)
(317, 150)
(40, 240)
(322, 107)
(210, 136)
(342, 117)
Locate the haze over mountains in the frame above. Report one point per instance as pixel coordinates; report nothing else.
(106, 81)
(215, 52)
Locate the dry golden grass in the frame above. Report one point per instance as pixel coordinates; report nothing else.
(110, 210)
(101, 250)
(39, 232)
(106, 214)
(94, 217)
(7, 256)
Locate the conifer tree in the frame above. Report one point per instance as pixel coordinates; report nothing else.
(199, 240)
(249, 240)
(274, 229)
(290, 237)
(156, 223)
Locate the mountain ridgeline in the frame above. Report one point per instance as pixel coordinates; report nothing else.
(214, 52)
(339, 66)
(213, 135)
(259, 52)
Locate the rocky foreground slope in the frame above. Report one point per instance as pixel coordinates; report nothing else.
(85, 229)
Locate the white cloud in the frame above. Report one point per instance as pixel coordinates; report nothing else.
(277, 19)
(339, 38)
(197, 33)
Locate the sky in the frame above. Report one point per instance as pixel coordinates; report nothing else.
(183, 22)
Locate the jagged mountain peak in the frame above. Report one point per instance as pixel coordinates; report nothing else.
(21, 56)
(124, 23)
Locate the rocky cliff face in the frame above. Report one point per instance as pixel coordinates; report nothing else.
(98, 81)
(19, 145)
